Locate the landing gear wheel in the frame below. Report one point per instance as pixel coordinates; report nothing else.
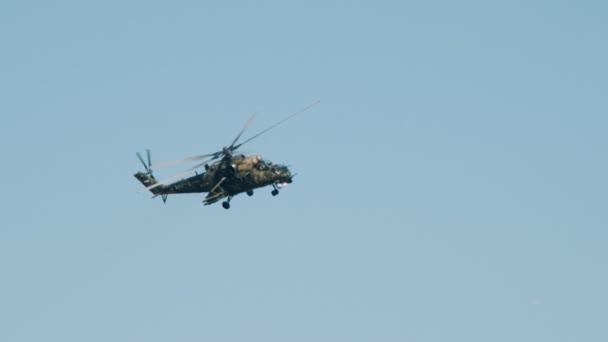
(226, 205)
(275, 192)
(249, 193)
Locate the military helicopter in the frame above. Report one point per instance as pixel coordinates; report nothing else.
(226, 175)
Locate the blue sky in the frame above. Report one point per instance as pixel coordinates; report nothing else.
(451, 183)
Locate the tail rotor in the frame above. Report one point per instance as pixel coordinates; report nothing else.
(147, 166)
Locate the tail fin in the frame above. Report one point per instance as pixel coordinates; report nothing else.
(148, 180)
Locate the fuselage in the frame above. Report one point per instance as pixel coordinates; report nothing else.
(240, 174)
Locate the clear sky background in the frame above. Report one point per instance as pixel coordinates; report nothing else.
(451, 183)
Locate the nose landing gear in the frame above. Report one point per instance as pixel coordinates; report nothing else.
(275, 191)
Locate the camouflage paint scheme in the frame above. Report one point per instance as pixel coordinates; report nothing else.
(224, 178)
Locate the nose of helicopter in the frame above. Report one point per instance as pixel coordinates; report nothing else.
(289, 179)
(284, 174)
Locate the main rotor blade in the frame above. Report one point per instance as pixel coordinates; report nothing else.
(276, 124)
(188, 159)
(198, 165)
(143, 162)
(232, 146)
(166, 180)
(242, 131)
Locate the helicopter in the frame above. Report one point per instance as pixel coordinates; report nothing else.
(226, 174)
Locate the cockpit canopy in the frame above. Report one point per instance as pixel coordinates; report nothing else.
(280, 172)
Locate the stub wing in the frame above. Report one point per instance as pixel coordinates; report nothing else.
(214, 197)
(216, 193)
